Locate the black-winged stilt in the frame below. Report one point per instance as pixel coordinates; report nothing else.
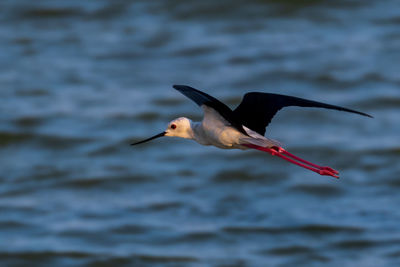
(243, 127)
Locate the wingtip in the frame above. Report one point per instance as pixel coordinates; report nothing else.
(366, 115)
(358, 112)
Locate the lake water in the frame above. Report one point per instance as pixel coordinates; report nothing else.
(81, 80)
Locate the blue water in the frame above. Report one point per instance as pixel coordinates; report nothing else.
(81, 80)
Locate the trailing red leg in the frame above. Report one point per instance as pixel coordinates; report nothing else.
(282, 153)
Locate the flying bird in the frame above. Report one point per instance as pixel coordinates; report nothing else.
(244, 127)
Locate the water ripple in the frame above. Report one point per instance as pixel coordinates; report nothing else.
(306, 229)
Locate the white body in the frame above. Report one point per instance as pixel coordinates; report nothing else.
(215, 130)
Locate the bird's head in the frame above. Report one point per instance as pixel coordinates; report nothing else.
(180, 127)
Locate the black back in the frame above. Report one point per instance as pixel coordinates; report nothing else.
(257, 109)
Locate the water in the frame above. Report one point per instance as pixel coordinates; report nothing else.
(81, 80)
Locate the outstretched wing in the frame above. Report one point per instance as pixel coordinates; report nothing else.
(201, 98)
(257, 109)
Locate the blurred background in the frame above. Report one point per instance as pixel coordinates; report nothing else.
(81, 80)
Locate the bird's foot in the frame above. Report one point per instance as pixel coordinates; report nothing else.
(328, 172)
(329, 169)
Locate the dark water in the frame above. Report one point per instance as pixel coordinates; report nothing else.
(81, 80)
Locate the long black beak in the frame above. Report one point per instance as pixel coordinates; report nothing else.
(149, 139)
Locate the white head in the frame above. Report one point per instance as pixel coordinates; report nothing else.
(180, 127)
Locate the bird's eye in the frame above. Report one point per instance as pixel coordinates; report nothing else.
(173, 126)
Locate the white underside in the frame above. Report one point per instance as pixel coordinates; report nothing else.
(215, 130)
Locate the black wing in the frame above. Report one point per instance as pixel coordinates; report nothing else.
(257, 109)
(204, 99)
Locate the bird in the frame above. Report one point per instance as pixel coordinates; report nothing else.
(245, 126)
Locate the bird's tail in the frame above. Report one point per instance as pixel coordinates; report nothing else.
(259, 140)
(264, 142)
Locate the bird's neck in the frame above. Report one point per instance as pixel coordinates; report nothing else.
(191, 132)
(198, 133)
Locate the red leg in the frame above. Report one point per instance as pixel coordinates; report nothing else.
(307, 162)
(278, 151)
